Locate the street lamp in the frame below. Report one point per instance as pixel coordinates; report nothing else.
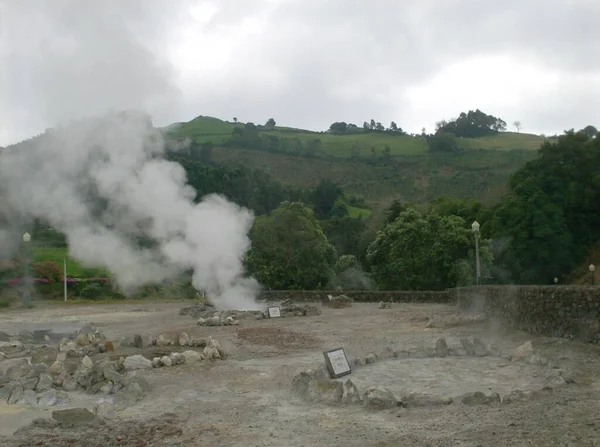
(592, 268)
(26, 279)
(475, 228)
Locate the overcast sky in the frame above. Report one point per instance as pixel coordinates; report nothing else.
(306, 63)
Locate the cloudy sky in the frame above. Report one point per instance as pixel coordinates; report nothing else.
(306, 63)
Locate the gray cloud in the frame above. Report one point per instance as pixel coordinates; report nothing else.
(309, 63)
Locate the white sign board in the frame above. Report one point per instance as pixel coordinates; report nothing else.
(274, 312)
(337, 363)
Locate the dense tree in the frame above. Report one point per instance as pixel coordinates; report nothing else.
(443, 142)
(323, 198)
(345, 234)
(590, 131)
(421, 251)
(271, 122)
(289, 250)
(393, 127)
(338, 127)
(472, 124)
(552, 215)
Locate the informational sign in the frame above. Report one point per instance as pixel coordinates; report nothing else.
(337, 363)
(274, 312)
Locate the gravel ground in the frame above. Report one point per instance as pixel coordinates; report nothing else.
(247, 399)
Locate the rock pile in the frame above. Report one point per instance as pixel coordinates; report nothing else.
(384, 305)
(196, 310)
(233, 317)
(337, 302)
(39, 384)
(296, 310)
(454, 320)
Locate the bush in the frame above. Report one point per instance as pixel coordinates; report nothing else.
(94, 291)
(4, 303)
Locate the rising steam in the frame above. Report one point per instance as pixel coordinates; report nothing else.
(104, 184)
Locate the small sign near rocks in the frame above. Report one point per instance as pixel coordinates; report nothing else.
(274, 312)
(337, 363)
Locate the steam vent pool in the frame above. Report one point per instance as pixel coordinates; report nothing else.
(449, 377)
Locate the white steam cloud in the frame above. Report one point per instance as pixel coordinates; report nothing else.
(103, 183)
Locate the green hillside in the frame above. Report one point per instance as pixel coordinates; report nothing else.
(203, 129)
(376, 165)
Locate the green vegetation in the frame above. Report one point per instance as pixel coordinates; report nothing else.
(363, 205)
(74, 268)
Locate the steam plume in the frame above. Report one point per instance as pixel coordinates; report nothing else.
(103, 182)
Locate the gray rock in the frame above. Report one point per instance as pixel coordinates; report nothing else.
(371, 358)
(16, 394)
(4, 336)
(110, 373)
(350, 395)
(105, 410)
(26, 336)
(166, 361)
(386, 353)
(39, 423)
(376, 398)
(107, 388)
(31, 383)
(19, 371)
(424, 400)
(358, 362)
(184, 339)
(480, 348)
(69, 384)
(43, 355)
(441, 348)
(384, 305)
(137, 361)
(2, 356)
(48, 398)
(135, 388)
(325, 391)
(468, 346)
(191, 356)
(11, 347)
(156, 362)
(138, 342)
(176, 358)
(82, 340)
(211, 353)
(166, 340)
(29, 398)
(44, 383)
(479, 398)
(76, 417)
(522, 351)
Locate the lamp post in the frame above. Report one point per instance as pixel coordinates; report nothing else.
(592, 268)
(26, 278)
(475, 228)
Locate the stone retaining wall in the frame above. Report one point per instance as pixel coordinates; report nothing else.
(556, 311)
(366, 296)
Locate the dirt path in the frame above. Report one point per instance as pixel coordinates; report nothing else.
(247, 400)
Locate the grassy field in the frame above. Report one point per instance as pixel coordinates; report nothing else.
(74, 268)
(202, 129)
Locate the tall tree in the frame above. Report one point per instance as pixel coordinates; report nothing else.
(290, 251)
(420, 251)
